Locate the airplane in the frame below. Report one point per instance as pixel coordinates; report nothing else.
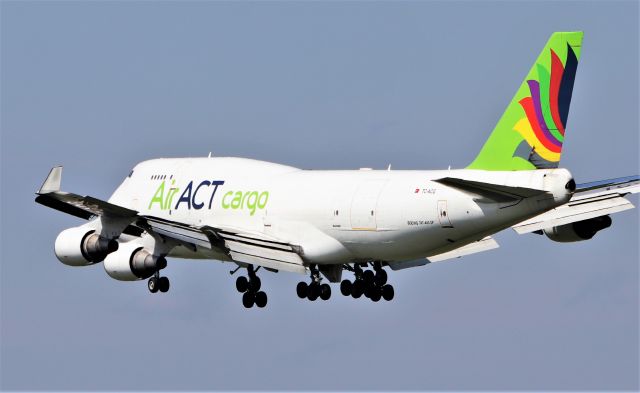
(261, 215)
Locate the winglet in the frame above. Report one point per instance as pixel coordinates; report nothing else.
(52, 182)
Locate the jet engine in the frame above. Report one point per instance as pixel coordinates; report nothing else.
(81, 246)
(578, 231)
(132, 262)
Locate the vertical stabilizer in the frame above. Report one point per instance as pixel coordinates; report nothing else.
(530, 133)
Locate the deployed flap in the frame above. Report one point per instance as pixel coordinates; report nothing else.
(495, 192)
(484, 244)
(407, 264)
(590, 200)
(263, 251)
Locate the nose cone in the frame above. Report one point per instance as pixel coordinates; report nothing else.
(560, 183)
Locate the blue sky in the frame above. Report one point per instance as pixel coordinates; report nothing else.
(100, 86)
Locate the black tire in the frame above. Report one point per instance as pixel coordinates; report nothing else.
(325, 292)
(375, 294)
(381, 278)
(152, 285)
(387, 292)
(368, 276)
(369, 291)
(261, 299)
(163, 284)
(302, 289)
(255, 284)
(242, 284)
(345, 287)
(313, 292)
(248, 299)
(357, 289)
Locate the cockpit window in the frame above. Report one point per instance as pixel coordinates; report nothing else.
(130, 173)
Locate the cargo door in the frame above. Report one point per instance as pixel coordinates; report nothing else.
(364, 203)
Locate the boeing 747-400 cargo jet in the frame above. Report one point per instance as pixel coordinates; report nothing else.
(262, 215)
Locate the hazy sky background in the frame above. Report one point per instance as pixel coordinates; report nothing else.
(100, 86)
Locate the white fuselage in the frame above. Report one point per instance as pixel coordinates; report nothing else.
(335, 216)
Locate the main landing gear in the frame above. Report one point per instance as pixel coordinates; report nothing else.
(250, 288)
(314, 289)
(157, 283)
(370, 283)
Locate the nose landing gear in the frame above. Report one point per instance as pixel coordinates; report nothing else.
(314, 289)
(250, 288)
(370, 283)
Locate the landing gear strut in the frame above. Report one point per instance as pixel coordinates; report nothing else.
(370, 283)
(157, 283)
(314, 289)
(250, 288)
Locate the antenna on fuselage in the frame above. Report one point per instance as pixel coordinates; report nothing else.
(389, 167)
(209, 155)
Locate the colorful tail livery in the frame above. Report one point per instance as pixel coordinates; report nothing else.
(530, 133)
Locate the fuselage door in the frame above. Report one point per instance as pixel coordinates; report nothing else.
(363, 205)
(443, 215)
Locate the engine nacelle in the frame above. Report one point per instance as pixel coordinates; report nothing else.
(578, 231)
(132, 262)
(82, 246)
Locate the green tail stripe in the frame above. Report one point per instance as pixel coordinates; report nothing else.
(544, 97)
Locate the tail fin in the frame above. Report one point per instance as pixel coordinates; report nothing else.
(530, 133)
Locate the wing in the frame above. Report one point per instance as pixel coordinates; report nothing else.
(485, 244)
(240, 246)
(589, 200)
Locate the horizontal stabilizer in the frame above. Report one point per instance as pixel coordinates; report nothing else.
(590, 200)
(494, 192)
(628, 184)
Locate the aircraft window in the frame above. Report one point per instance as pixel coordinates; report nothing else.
(130, 173)
(372, 212)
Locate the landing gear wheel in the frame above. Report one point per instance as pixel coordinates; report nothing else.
(313, 292)
(261, 299)
(152, 284)
(254, 284)
(370, 291)
(248, 299)
(345, 287)
(375, 294)
(242, 284)
(387, 292)
(358, 289)
(368, 276)
(163, 284)
(381, 277)
(325, 291)
(302, 289)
